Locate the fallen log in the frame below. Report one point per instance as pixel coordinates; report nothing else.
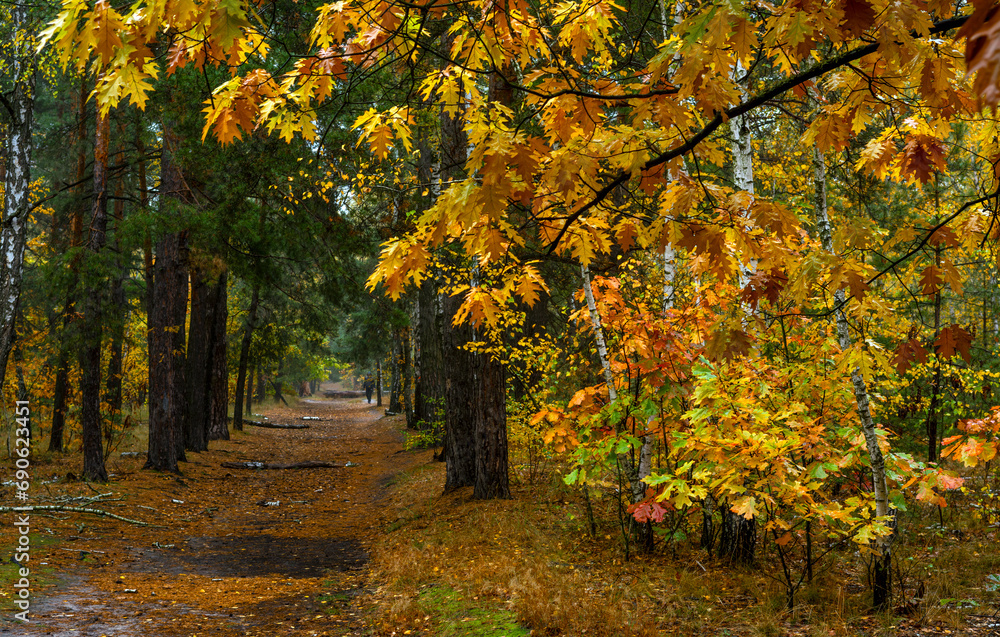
(343, 393)
(307, 464)
(274, 425)
(58, 507)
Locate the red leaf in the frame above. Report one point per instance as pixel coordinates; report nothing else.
(923, 155)
(931, 280)
(858, 16)
(954, 339)
(764, 285)
(982, 49)
(908, 352)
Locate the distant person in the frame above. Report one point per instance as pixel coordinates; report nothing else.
(369, 387)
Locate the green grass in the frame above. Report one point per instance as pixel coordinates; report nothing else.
(40, 576)
(458, 616)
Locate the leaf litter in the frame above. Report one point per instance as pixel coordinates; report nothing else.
(220, 563)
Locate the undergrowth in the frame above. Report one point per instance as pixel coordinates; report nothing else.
(533, 556)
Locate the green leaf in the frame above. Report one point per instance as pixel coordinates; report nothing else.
(570, 478)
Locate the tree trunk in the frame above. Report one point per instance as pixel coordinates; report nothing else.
(378, 381)
(258, 394)
(738, 539)
(218, 428)
(118, 312)
(91, 323)
(199, 361)
(61, 389)
(166, 321)
(248, 407)
(460, 400)
(59, 403)
(17, 180)
(241, 373)
(429, 394)
(396, 384)
(932, 410)
(407, 369)
(492, 480)
(882, 563)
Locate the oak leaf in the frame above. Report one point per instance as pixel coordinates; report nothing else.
(954, 339)
(922, 157)
(908, 352)
(858, 16)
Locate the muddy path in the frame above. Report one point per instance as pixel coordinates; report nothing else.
(235, 551)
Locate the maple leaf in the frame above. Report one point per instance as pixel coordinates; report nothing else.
(625, 234)
(949, 481)
(727, 344)
(877, 156)
(106, 25)
(746, 507)
(926, 493)
(953, 339)
(744, 39)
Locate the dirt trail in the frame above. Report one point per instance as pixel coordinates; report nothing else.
(241, 552)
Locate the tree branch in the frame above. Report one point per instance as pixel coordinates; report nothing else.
(740, 109)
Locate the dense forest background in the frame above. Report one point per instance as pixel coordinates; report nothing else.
(733, 264)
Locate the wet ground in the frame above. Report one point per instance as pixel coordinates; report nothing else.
(235, 551)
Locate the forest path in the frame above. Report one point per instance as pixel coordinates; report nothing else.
(241, 552)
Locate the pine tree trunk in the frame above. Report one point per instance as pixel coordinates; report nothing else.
(460, 400)
(218, 428)
(198, 362)
(91, 323)
(407, 373)
(248, 407)
(492, 479)
(61, 390)
(429, 394)
(167, 314)
(59, 402)
(396, 384)
(118, 310)
(241, 373)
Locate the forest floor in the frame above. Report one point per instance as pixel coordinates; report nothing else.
(233, 551)
(371, 547)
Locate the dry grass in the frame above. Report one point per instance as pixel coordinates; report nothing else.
(533, 556)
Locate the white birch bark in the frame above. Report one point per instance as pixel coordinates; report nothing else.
(861, 397)
(17, 186)
(595, 322)
(743, 166)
